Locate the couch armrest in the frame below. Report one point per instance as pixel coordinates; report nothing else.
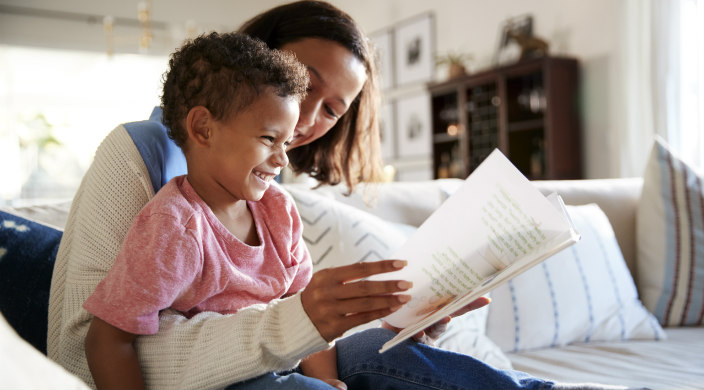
(618, 198)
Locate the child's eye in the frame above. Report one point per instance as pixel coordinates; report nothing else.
(268, 138)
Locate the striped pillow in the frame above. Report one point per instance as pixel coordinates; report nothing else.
(584, 293)
(670, 239)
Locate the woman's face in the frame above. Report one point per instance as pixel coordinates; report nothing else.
(336, 78)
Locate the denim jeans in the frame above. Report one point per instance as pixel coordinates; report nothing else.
(409, 365)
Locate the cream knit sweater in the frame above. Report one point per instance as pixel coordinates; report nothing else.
(207, 351)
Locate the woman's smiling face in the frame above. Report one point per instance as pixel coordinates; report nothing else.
(336, 78)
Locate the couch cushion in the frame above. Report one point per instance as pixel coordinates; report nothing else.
(27, 253)
(670, 231)
(674, 363)
(584, 293)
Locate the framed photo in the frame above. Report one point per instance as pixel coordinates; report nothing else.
(414, 49)
(512, 30)
(387, 129)
(384, 52)
(414, 131)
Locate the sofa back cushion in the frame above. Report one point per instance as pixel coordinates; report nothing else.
(617, 198)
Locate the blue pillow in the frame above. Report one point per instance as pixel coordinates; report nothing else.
(27, 253)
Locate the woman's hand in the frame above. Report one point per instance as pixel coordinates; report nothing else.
(336, 299)
(434, 331)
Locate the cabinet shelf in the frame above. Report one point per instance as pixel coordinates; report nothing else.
(526, 125)
(527, 110)
(444, 137)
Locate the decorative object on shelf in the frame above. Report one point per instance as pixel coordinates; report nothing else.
(456, 63)
(383, 47)
(414, 42)
(517, 42)
(414, 125)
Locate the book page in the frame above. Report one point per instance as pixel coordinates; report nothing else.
(497, 220)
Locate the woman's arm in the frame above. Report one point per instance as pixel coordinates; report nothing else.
(111, 357)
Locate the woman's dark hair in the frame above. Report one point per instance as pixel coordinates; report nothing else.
(225, 73)
(350, 151)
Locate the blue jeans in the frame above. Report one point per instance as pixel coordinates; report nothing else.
(409, 365)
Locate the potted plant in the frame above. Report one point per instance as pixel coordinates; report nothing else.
(455, 62)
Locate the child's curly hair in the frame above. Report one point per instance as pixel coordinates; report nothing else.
(225, 73)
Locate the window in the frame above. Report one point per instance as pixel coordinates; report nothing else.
(691, 110)
(55, 108)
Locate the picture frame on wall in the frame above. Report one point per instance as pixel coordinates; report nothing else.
(414, 132)
(383, 42)
(387, 130)
(414, 50)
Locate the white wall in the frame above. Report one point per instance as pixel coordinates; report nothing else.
(593, 31)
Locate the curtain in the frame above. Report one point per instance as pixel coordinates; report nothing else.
(664, 81)
(688, 137)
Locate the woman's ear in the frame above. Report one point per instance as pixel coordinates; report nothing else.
(198, 125)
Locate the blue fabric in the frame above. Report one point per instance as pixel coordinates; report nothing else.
(287, 381)
(163, 158)
(408, 366)
(27, 254)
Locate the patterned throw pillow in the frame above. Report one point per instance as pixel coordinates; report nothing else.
(27, 253)
(670, 239)
(584, 293)
(338, 234)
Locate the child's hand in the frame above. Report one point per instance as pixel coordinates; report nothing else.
(337, 299)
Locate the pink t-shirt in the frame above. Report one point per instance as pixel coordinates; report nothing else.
(178, 255)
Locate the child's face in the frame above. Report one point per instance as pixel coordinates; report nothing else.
(249, 149)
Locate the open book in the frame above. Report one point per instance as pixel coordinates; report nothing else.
(494, 227)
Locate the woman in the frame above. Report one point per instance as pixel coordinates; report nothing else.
(336, 140)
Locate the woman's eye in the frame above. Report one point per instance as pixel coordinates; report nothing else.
(331, 113)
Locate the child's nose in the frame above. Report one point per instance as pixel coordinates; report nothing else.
(280, 158)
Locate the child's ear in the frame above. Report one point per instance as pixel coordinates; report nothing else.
(199, 124)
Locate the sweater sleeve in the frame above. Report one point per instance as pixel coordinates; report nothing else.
(206, 351)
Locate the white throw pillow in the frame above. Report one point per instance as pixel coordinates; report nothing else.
(338, 234)
(23, 367)
(584, 293)
(467, 335)
(670, 239)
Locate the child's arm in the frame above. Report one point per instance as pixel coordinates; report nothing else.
(323, 366)
(112, 358)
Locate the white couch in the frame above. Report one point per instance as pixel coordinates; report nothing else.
(672, 362)
(676, 362)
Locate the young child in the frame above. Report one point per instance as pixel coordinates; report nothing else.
(221, 237)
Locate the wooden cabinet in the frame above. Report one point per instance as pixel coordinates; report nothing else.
(528, 110)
